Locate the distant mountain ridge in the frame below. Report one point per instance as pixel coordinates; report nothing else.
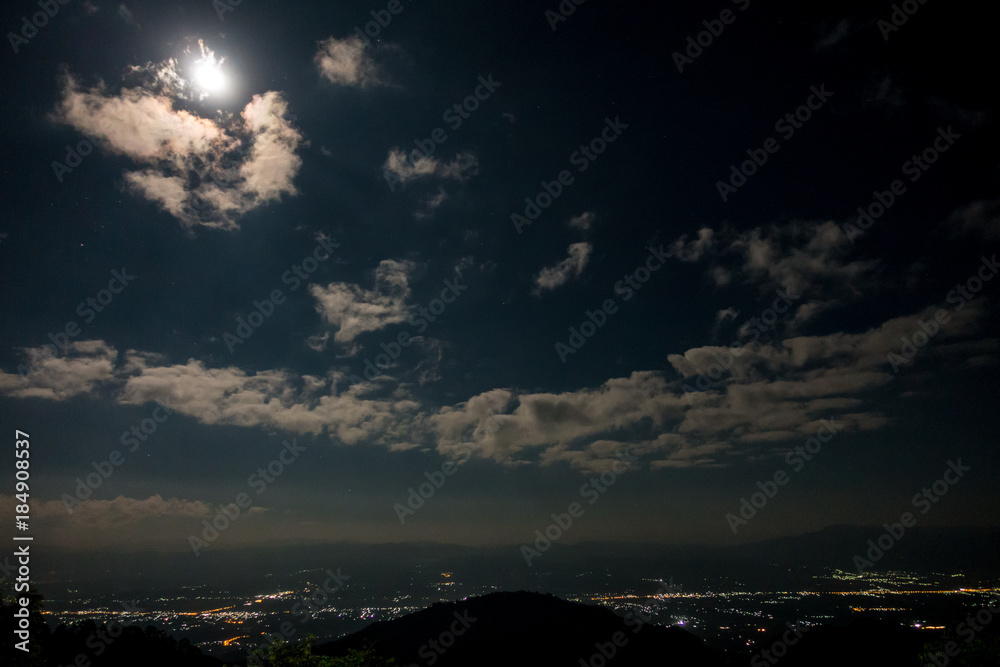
(970, 548)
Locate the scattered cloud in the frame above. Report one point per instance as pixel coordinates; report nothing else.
(126, 15)
(757, 399)
(400, 169)
(693, 250)
(583, 222)
(801, 257)
(540, 421)
(954, 112)
(554, 276)
(200, 171)
(721, 276)
(318, 343)
(345, 62)
(269, 399)
(430, 204)
(726, 314)
(979, 218)
(772, 394)
(85, 366)
(355, 310)
(121, 510)
(885, 94)
(722, 317)
(834, 35)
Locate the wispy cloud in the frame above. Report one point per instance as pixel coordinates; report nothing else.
(552, 277)
(801, 257)
(355, 310)
(582, 222)
(834, 35)
(430, 204)
(399, 169)
(980, 218)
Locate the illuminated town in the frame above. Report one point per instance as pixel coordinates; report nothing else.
(729, 618)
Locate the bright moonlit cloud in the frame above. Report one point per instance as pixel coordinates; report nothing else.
(185, 163)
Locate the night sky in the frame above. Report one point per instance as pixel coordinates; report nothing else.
(500, 250)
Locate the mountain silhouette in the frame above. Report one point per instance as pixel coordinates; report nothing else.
(524, 628)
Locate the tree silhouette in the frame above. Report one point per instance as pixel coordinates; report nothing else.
(283, 654)
(983, 649)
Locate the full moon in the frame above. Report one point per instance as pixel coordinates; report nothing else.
(209, 77)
